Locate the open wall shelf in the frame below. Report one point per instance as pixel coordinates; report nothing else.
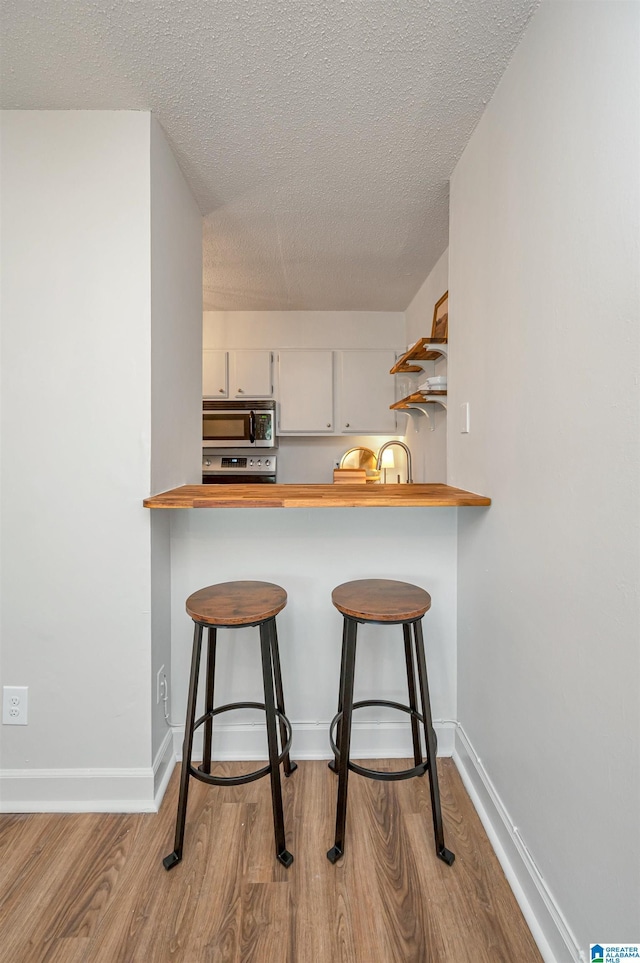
(419, 401)
(420, 398)
(426, 349)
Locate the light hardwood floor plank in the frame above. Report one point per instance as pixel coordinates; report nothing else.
(91, 888)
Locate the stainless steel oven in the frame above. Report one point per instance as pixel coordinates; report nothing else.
(237, 468)
(238, 424)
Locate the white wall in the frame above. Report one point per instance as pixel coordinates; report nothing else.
(308, 460)
(76, 444)
(75, 439)
(427, 438)
(544, 333)
(176, 380)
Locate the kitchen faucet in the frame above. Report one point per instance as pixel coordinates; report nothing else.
(388, 444)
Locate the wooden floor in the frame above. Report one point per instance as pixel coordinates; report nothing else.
(91, 888)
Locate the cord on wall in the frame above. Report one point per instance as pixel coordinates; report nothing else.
(165, 699)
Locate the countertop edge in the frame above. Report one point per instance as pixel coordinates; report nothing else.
(316, 496)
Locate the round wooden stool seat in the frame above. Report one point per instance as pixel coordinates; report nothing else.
(236, 603)
(381, 600)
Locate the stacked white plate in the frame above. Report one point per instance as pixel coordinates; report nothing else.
(438, 383)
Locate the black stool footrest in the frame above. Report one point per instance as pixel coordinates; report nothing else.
(446, 855)
(334, 854)
(376, 773)
(199, 773)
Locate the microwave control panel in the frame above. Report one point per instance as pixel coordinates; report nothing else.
(264, 426)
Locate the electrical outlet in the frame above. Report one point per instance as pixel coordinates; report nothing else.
(14, 705)
(161, 684)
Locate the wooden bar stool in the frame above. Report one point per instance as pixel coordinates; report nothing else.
(390, 602)
(233, 605)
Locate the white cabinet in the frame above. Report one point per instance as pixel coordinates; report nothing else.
(215, 382)
(313, 385)
(237, 374)
(305, 392)
(250, 374)
(366, 392)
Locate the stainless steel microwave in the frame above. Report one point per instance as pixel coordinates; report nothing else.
(238, 424)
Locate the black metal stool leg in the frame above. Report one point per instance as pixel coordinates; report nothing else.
(344, 741)
(333, 765)
(173, 858)
(411, 684)
(282, 854)
(445, 854)
(289, 766)
(210, 676)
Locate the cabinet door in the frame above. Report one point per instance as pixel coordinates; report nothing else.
(366, 392)
(251, 374)
(305, 390)
(214, 374)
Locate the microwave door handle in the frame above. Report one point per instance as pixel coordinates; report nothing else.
(252, 427)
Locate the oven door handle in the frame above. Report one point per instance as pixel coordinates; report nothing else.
(252, 427)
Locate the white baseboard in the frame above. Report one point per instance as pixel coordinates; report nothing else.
(88, 790)
(544, 918)
(163, 766)
(77, 791)
(370, 740)
(142, 790)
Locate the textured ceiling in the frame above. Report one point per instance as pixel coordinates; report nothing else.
(317, 135)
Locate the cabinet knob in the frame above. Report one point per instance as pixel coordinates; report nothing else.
(240, 391)
(347, 425)
(328, 424)
(221, 390)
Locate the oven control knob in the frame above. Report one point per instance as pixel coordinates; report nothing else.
(267, 463)
(251, 462)
(207, 462)
(259, 463)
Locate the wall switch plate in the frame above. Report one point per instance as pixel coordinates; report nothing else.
(14, 705)
(463, 414)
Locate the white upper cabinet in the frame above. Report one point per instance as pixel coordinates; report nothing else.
(305, 392)
(251, 374)
(237, 374)
(215, 381)
(366, 392)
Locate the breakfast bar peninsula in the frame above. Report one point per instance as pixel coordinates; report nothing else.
(362, 531)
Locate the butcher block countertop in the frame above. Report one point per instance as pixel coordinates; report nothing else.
(315, 496)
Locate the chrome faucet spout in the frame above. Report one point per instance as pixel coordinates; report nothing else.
(400, 444)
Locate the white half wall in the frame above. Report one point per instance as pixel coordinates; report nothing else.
(309, 552)
(544, 334)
